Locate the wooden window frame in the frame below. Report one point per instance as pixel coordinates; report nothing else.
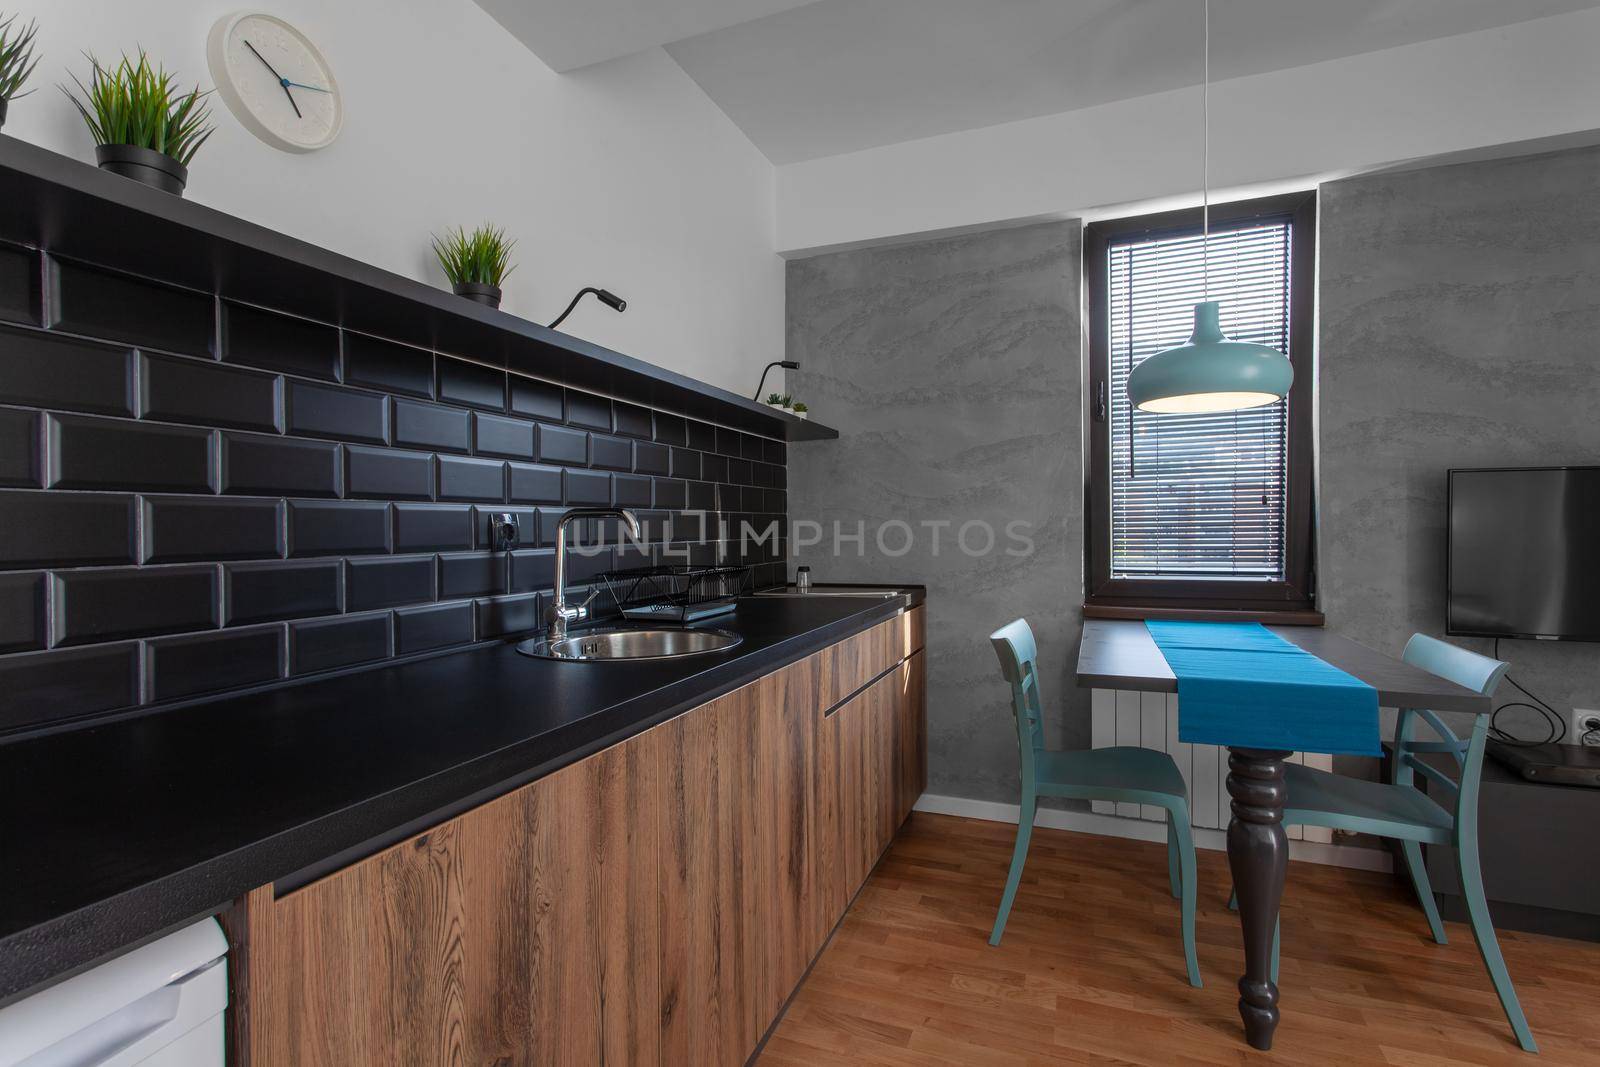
(1294, 598)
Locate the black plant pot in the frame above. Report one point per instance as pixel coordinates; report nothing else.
(145, 165)
(483, 294)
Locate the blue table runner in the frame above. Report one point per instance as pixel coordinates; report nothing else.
(1241, 684)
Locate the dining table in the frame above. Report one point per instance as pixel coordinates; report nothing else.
(1121, 654)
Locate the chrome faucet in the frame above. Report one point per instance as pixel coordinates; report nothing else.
(561, 613)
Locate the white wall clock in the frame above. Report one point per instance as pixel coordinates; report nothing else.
(275, 81)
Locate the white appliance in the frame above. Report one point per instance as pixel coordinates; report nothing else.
(160, 1005)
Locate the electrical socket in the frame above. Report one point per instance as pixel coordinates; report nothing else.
(1583, 721)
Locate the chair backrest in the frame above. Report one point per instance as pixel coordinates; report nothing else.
(1469, 670)
(1018, 652)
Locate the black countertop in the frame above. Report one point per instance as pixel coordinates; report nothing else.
(112, 835)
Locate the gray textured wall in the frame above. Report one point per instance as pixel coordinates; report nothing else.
(1460, 326)
(951, 369)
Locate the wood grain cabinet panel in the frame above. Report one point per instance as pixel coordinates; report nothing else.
(655, 903)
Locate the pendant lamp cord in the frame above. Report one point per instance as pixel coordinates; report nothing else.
(1205, 166)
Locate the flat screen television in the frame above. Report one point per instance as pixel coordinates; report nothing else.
(1524, 553)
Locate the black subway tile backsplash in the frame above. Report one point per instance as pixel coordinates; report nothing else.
(329, 411)
(255, 464)
(424, 629)
(260, 338)
(327, 644)
(685, 463)
(652, 459)
(472, 574)
(587, 487)
(474, 480)
(69, 683)
(65, 529)
(197, 495)
(432, 527)
(632, 420)
(385, 365)
(337, 528)
(22, 611)
(557, 444)
(388, 581)
(19, 284)
(586, 409)
(631, 490)
(531, 484)
(471, 384)
(131, 310)
(200, 392)
(611, 453)
(45, 371)
(419, 425)
(509, 615)
(88, 452)
(180, 529)
(495, 435)
(388, 474)
(20, 466)
(671, 429)
(264, 592)
(178, 667)
(102, 605)
(538, 400)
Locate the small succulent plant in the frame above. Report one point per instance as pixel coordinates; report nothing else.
(774, 400)
(17, 60)
(800, 408)
(482, 257)
(138, 103)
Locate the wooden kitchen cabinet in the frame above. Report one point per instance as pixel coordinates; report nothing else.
(654, 903)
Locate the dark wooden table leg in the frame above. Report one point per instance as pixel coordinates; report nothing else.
(1258, 856)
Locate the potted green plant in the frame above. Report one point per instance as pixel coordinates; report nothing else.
(785, 401)
(774, 400)
(16, 60)
(801, 411)
(144, 127)
(476, 263)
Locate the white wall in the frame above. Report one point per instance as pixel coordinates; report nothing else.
(624, 175)
(1530, 80)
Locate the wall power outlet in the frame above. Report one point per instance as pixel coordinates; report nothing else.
(1585, 720)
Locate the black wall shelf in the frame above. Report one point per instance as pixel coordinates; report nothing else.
(72, 209)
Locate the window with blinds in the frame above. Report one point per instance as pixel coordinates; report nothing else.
(1196, 496)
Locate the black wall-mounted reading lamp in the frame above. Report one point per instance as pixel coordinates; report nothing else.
(605, 296)
(786, 364)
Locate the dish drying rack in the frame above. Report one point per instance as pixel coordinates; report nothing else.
(676, 592)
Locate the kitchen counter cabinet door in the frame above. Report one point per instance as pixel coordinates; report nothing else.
(523, 932)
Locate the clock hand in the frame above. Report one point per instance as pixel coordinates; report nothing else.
(281, 79)
(313, 88)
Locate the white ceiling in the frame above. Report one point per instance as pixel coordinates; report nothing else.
(805, 80)
(568, 34)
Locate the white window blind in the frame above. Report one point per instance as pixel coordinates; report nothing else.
(1197, 496)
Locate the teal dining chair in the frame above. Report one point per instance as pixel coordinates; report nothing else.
(1135, 775)
(1398, 809)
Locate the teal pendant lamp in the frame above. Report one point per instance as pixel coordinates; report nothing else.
(1210, 372)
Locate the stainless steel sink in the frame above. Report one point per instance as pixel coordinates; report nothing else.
(630, 644)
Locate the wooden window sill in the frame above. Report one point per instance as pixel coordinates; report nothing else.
(1278, 617)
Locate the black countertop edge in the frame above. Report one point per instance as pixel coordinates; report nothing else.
(50, 951)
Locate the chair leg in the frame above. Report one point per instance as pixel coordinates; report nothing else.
(1173, 874)
(1277, 939)
(1419, 882)
(1488, 943)
(1018, 855)
(1180, 840)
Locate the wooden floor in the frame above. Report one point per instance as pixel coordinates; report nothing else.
(1091, 969)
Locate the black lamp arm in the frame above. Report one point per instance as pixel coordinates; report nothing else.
(615, 303)
(787, 364)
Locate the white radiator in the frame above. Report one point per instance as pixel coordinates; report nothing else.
(1150, 720)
